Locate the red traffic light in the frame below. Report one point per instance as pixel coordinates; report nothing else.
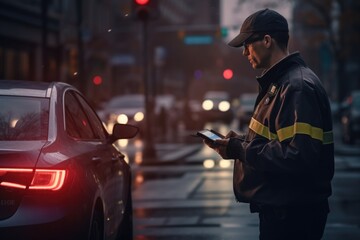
(228, 74)
(145, 9)
(142, 2)
(97, 80)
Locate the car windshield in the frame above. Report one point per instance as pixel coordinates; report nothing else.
(23, 118)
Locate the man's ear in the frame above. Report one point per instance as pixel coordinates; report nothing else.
(268, 40)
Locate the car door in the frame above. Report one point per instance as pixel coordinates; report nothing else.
(114, 167)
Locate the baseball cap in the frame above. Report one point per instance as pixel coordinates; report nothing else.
(265, 20)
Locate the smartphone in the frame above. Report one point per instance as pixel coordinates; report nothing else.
(210, 135)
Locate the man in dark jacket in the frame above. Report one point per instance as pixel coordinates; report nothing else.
(285, 163)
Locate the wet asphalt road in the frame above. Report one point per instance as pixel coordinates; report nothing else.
(178, 198)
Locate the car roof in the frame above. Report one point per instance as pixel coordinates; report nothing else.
(25, 88)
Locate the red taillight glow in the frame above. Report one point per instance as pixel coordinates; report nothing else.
(43, 179)
(13, 185)
(48, 179)
(5, 170)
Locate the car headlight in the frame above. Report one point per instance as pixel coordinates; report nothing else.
(139, 116)
(224, 106)
(122, 118)
(207, 105)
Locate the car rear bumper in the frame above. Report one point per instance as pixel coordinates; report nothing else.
(55, 231)
(39, 219)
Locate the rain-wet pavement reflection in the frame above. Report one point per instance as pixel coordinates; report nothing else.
(192, 197)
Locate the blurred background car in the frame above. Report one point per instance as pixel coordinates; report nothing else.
(350, 118)
(125, 109)
(245, 109)
(217, 107)
(60, 175)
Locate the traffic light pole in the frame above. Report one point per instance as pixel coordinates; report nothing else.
(149, 148)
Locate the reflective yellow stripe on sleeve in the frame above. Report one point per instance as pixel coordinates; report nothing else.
(289, 132)
(261, 129)
(300, 128)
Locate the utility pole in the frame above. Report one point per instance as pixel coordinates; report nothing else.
(144, 10)
(149, 150)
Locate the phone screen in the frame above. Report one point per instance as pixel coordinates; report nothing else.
(210, 135)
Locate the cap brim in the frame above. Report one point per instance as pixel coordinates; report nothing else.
(239, 40)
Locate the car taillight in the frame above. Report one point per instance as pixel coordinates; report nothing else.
(43, 179)
(48, 179)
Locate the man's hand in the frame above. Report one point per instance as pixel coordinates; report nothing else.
(232, 134)
(219, 146)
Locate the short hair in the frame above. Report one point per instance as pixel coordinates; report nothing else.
(282, 39)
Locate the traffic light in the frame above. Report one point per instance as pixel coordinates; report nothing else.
(97, 80)
(145, 9)
(228, 74)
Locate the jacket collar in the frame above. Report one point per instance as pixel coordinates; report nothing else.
(272, 75)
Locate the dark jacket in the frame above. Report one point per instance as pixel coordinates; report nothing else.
(289, 150)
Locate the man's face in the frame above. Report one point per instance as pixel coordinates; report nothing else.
(257, 53)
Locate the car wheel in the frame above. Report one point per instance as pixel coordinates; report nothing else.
(125, 231)
(96, 232)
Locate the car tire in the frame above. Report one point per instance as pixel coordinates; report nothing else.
(125, 231)
(96, 232)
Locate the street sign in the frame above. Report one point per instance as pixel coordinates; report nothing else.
(198, 40)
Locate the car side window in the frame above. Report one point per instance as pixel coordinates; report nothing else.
(77, 122)
(94, 120)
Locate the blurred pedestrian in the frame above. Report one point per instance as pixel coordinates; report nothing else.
(285, 163)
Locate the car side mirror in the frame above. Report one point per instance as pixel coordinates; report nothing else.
(123, 131)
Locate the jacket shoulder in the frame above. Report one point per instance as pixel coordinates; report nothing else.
(300, 78)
